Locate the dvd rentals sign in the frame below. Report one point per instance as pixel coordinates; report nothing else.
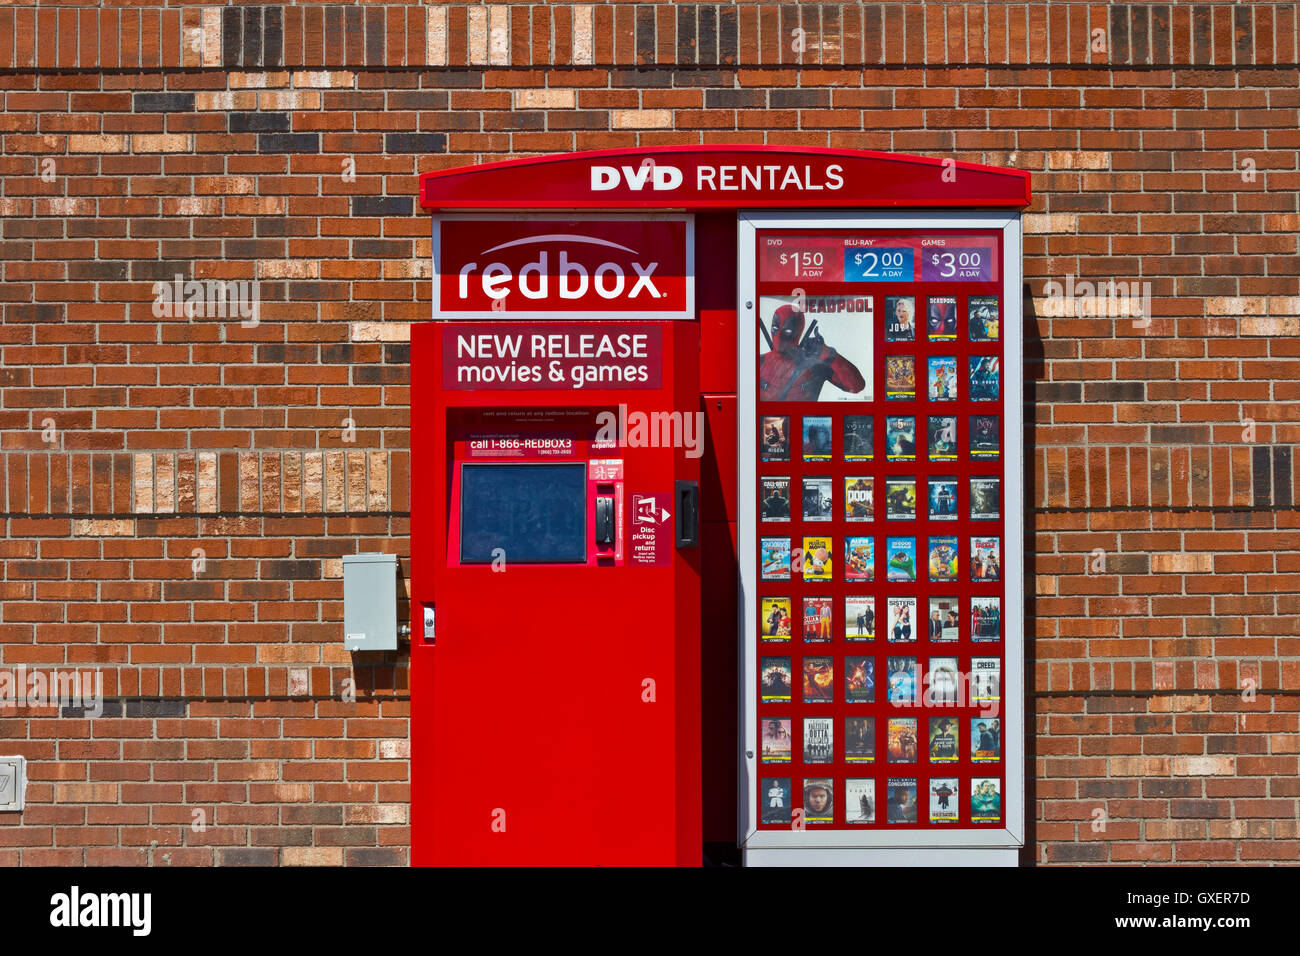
(563, 268)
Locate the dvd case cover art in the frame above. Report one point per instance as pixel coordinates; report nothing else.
(902, 559)
(816, 348)
(901, 740)
(986, 619)
(941, 319)
(900, 499)
(901, 680)
(984, 378)
(985, 800)
(859, 618)
(818, 680)
(900, 318)
(941, 378)
(986, 559)
(774, 680)
(817, 619)
(774, 797)
(816, 498)
(776, 740)
(985, 498)
(900, 438)
(859, 558)
(859, 498)
(901, 619)
(982, 318)
(945, 619)
(943, 681)
(860, 800)
(900, 377)
(860, 680)
(943, 740)
(816, 560)
(985, 739)
(816, 438)
(860, 739)
(775, 498)
(944, 794)
(776, 559)
(818, 800)
(942, 499)
(859, 438)
(901, 794)
(818, 740)
(774, 438)
(774, 622)
(984, 443)
(943, 557)
(985, 680)
(941, 437)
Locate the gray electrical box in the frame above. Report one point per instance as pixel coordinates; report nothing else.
(370, 602)
(13, 783)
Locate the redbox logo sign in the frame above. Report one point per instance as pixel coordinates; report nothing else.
(510, 268)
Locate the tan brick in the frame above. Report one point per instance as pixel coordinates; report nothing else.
(96, 144)
(312, 856)
(1067, 222)
(641, 119)
(1213, 766)
(1182, 563)
(162, 143)
(544, 99)
(103, 528)
(380, 332)
(143, 481)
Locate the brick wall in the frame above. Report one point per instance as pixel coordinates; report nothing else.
(177, 491)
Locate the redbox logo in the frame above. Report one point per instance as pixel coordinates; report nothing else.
(551, 268)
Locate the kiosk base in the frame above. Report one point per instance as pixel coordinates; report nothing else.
(892, 856)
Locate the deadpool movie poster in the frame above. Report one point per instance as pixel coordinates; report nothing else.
(815, 348)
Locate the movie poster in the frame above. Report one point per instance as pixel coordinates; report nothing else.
(986, 618)
(776, 558)
(815, 348)
(941, 437)
(774, 797)
(943, 558)
(943, 680)
(818, 800)
(986, 559)
(944, 795)
(900, 438)
(860, 680)
(817, 619)
(901, 740)
(982, 311)
(859, 558)
(902, 559)
(816, 437)
(859, 498)
(985, 680)
(860, 800)
(859, 619)
(774, 438)
(775, 505)
(945, 619)
(818, 740)
(900, 377)
(774, 680)
(901, 619)
(985, 800)
(984, 378)
(900, 499)
(901, 794)
(860, 739)
(941, 319)
(900, 318)
(942, 499)
(941, 378)
(943, 740)
(985, 498)
(816, 497)
(817, 550)
(774, 619)
(776, 740)
(859, 438)
(818, 680)
(901, 680)
(984, 444)
(985, 739)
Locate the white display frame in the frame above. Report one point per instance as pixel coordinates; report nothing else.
(935, 847)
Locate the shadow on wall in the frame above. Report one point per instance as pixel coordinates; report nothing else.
(1035, 366)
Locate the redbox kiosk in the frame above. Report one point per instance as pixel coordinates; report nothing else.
(716, 521)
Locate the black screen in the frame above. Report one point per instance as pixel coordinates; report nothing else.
(535, 514)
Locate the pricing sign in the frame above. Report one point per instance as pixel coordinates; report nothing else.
(881, 264)
(958, 265)
(877, 257)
